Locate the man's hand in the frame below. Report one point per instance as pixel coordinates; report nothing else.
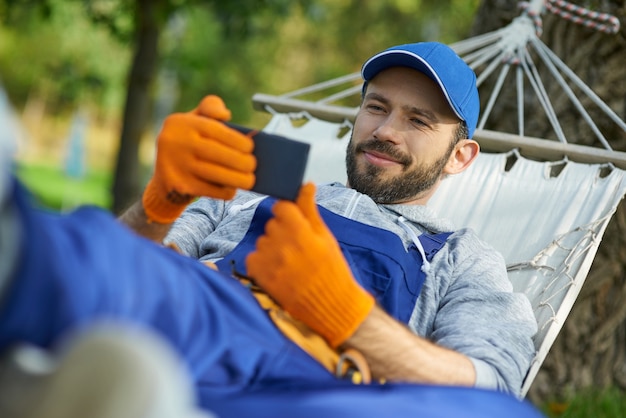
(197, 155)
(299, 263)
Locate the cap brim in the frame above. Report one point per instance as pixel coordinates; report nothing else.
(401, 58)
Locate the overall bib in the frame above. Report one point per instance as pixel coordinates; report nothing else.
(377, 259)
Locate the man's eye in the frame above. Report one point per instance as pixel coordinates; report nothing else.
(419, 122)
(375, 108)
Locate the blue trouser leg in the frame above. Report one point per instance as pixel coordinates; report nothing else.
(364, 401)
(84, 267)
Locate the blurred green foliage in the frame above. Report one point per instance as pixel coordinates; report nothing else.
(77, 52)
(64, 56)
(54, 190)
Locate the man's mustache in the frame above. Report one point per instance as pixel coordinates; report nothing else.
(386, 149)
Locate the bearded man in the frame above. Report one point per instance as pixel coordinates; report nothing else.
(364, 267)
(360, 281)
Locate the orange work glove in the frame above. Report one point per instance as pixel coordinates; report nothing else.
(299, 263)
(197, 155)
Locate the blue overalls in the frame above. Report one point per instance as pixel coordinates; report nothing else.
(84, 267)
(376, 257)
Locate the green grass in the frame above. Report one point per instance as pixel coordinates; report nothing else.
(592, 403)
(53, 189)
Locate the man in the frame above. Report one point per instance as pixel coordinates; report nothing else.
(418, 112)
(65, 274)
(334, 296)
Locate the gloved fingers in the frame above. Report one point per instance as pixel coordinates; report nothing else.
(217, 131)
(258, 260)
(211, 151)
(263, 252)
(176, 129)
(290, 227)
(216, 174)
(287, 241)
(287, 216)
(179, 129)
(213, 106)
(308, 207)
(287, 238)
(195, 186)
(272, 264)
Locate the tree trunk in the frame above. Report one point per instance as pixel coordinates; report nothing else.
(591, 348)
(148, 26)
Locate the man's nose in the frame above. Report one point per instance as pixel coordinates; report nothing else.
(389, 129)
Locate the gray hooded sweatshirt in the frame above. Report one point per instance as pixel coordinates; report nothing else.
(466, 303)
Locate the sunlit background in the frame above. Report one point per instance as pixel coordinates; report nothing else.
(65, 67)
(88, 83)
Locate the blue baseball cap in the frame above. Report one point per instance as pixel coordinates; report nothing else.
(439, 62)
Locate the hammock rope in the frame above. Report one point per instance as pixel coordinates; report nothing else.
(513, 50)
(602, 22)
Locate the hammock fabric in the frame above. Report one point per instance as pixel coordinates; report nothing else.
(546, 218)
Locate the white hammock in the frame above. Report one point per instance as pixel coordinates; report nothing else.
(547, 227)
(546, 218)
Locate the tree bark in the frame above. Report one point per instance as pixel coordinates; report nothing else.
(591, 348)
(149, 21)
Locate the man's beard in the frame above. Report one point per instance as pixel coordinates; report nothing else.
(401, 188)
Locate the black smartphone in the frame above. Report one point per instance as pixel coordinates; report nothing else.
(281, 163)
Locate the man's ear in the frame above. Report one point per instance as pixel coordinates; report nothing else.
(463, 155)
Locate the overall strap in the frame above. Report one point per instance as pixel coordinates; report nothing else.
(433, 243)
(377, 257)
